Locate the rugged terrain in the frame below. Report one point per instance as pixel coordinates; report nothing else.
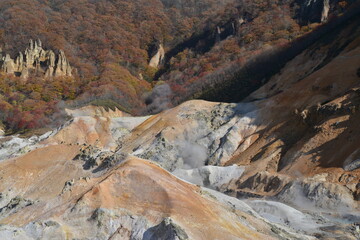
(119, 53)
(36, 60)
(282, 163)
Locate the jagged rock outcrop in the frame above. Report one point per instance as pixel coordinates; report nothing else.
(158, 58)
(263, 182)
(166, 230)
(14, 205)
(2, 130)
(36, 60)
(322, 195)
(353, 161)
(311, 11)
(325, 11)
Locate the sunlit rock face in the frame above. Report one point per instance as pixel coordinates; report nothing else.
(37, 61)
(158, 57)
(86, 174)
(194, 134)
(133, 199)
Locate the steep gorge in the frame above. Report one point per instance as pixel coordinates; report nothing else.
(242, 79)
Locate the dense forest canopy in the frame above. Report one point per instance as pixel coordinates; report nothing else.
(109, 44)
(93, 32)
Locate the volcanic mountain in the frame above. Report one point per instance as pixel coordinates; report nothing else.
(270, 154)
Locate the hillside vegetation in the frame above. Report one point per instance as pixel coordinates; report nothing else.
(109, 45)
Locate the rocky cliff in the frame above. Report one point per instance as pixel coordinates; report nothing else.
(36, 60)
(311, 11)
(157, 58)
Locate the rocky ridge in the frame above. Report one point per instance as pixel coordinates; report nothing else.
(99, 153)
(36, 60)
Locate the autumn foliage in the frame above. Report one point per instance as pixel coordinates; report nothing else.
(108, 45)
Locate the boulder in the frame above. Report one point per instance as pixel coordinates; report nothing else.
(166, 230)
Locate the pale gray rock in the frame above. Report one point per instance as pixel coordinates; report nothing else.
(8, 65)
(14, 205)
(211, 140)
(13, 233)
(353, 165)
(325, 11)
(166, 230)
(282, 214)
(62, 66)
(158, 58)
(51, 64)
(314, 195)
(15, 146)
(353, 161)
(19, 62)
(213, 177)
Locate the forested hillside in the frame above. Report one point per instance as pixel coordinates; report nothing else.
(109, 44)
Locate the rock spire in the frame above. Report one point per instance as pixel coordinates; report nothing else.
(36, 60)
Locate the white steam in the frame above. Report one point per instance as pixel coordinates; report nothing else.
(192, 154)
(159, 99)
